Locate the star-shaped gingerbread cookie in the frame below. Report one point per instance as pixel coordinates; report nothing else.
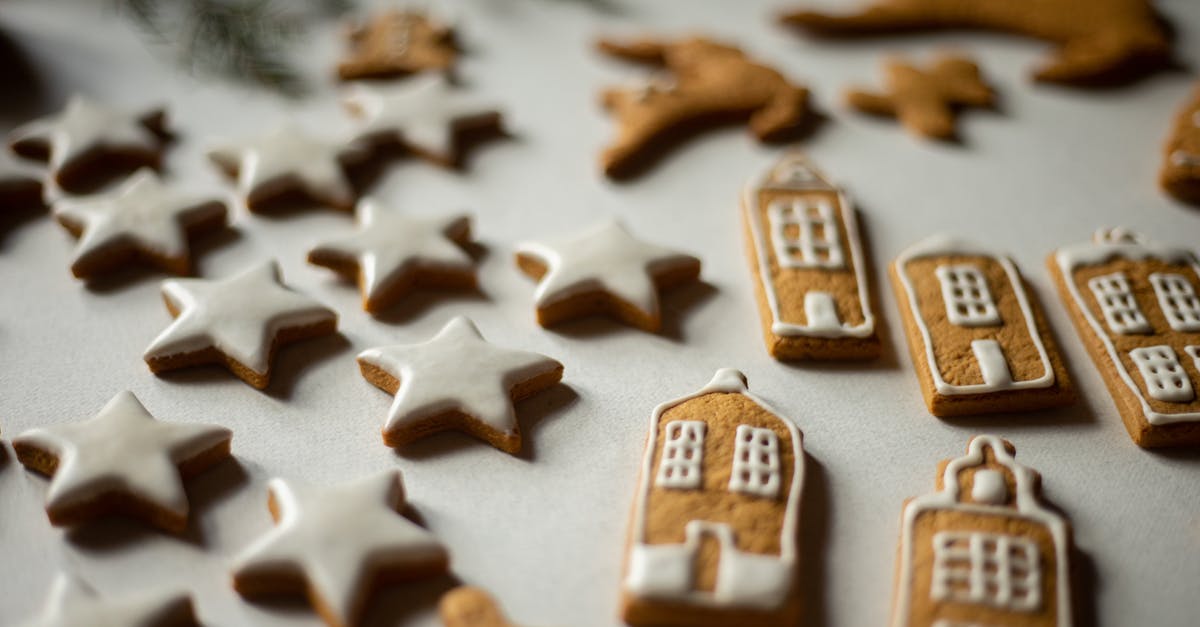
(604, 270)
(239, 321)
(393, 253)
(88, 143)
(456, 381)
(337, 544)
(396, 43)
(144, 219)
(72, 603)
(926, 101)
(122, 461)
(427, 115)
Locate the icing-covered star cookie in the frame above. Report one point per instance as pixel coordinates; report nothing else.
(122, 461)
(278, 166)
(144, 219)
(466, 606)
(426, 115)
(239, 321)
(72, 603)
(392, 253)
(88, 143)
(396, 43)
(336, 544)
(604, 270)
(926, 101)
(456, 381)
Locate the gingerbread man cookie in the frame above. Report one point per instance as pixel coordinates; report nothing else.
(926, 101)
(1098, 41)
(396, 43)
(466, 606)
(1180, 173)
(72, 603)
(706, 82)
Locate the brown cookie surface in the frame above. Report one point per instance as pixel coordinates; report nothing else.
(468, 606)
(396, 43)
(1180, 172)
(926, 102)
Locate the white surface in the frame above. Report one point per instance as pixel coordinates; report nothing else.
(544, 531)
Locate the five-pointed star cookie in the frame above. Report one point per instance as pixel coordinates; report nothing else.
(144, 219)
(122, 461)
(426, 115)
(397, 43)
(336, 544)
(603, 270)
(72, 603)
(277, 166)
(391, 253)
(456, 381)
(88, 143)
(238, 321)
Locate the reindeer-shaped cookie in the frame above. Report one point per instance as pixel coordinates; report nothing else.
(705, 82)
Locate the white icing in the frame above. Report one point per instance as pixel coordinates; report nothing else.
(946, 245)
(817, 242)
(606, 257)
(756, 465)
(795, 174)
(820, 311)
(967, 297)
(992, 364)
(73, 603)
(1184, 159)
(988, 487)
(1165, 378)
(459, 371)
(997, 570)
(122, 450)
(743, 579)
(337, 539)
(240, 315)
(390, 247)
(1027, 506)
(286, 156)
(1120, 308)
(1178, 301)
(143, 210)
(86, 125)
(424, 112)
(682, 462)
(1120, 243)
(14, 170)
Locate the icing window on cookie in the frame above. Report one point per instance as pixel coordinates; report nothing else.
(990, 569)
(805, 234)
(1164, 376)
(1178, 300)
(968, 300)
(1116, 300)
(683, 455)
(755, 462)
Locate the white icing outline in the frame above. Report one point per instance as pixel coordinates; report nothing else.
(943, 245)
(1150, 360)
(1028, 507)
(995, 588)
(1174, 286)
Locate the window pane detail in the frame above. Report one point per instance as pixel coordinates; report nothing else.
(968, 300)
(986, 569)
(683, 455)
(1116, 300)
(1164, 376)
(755, 462)
(1178, 301)
(805, 233)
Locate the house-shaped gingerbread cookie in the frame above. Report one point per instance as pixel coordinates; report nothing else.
(983, 549)
(1135, 305)
(713, 537)
(807, 260)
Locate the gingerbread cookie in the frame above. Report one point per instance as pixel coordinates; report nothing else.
(604, 270)
(810, 274)
(926, 101)
(427, 116)
(72, 603)
(983, 549)
(396, 43)
(144, 219)
(1097, 41)
(122, 461)
(978, 338)
(1135, 304)
(1180, 173)
(239, 321)
(89, 144)
(456, 381)
(716, 519)
(338, 545)
(706, 82)
(466, 606)
(393, 253)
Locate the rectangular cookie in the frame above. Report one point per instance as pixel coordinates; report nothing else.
(978, 339)
(807, 259)
(1136, 307)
